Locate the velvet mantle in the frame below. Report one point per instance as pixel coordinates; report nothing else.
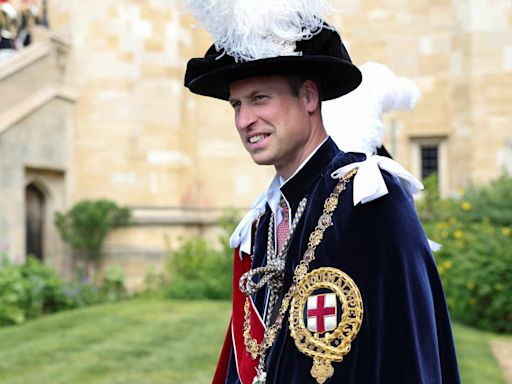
(405, 337)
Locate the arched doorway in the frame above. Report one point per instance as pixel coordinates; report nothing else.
(34, 220)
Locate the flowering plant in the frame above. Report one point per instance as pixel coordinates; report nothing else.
(475, 262)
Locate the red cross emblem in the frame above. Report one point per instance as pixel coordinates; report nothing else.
(321, 313)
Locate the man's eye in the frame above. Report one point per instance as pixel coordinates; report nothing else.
(260, 97)
(235, 104)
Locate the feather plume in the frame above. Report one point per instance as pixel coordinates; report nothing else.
(354, 120)
(256, 29)
(9, 10)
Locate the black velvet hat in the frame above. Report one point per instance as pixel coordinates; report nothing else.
(322, 57)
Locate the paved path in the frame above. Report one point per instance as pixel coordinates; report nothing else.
(503, 352)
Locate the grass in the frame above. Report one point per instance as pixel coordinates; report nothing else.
(138, 342)
(130, 342)
(476, 361)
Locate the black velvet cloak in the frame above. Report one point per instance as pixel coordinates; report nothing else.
(405, 337)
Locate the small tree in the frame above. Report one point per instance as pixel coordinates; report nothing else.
(87, 223)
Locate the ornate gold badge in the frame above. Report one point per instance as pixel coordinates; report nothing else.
(313, 337)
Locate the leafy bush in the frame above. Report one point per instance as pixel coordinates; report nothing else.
(12, 292)
(28, 291)
(475, 261)
(81, 294)
(45, 289)
(33, 289)
(492, 202)
(154, 284)
(476, 266)
(113, 285)
(88, 222)
(199, 269)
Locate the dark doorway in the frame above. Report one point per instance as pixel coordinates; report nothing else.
(35, 212)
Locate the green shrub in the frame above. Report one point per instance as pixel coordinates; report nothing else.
(154, 284)
(475, 261)
(33, 289)
(86, 225)
(492, 202)
(113, 285)
(12, 293)
(44, 288)
(199, 272)
(4, 258)
(200, 269)
(88, 222)
(475, 264)
(28, 291)
(81, 294)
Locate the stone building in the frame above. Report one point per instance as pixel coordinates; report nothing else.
(104, 115)
(36, 149)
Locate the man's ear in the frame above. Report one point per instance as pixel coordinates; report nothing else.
(311, 94)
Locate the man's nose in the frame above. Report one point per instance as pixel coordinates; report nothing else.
(245, 117)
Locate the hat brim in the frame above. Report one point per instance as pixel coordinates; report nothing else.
(337, 77)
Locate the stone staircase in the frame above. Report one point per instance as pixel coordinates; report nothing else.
(32, 77)
(36, 130)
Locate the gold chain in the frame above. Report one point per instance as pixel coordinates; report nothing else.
(256, 349)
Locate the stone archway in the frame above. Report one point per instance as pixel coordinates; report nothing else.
(35, 211)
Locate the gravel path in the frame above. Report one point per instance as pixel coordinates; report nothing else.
(503, 352)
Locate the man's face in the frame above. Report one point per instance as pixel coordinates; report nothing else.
(274, 125)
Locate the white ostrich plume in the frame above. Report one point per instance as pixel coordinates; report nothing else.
(354, 120)
(9, 10)
(257, 29)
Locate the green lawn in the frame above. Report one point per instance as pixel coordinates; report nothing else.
(131, 342)
(476, 362)
(137, 342)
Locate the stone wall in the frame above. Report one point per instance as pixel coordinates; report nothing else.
(130, 59)
(459, 54)
(36, 142)
(143, 140)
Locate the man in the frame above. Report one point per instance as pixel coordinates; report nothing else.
(277, 126)
(334, 281)
(28, 18)
(8, 25)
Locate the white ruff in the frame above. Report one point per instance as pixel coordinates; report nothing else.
(257, 29)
